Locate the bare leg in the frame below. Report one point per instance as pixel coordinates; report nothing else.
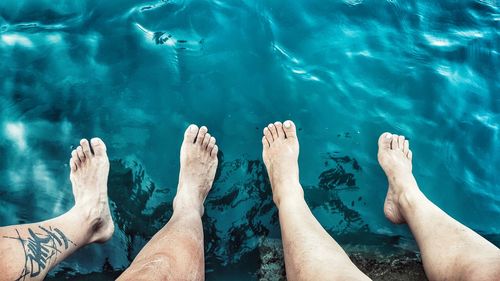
(29, 251)
(450, 250)
(310, 252)
(176, 251)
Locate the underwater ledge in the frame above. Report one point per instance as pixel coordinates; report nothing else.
(377, 256)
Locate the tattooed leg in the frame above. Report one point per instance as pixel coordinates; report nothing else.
(29, 251)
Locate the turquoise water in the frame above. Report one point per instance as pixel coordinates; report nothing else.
(136, 73)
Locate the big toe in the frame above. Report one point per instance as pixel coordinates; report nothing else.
(98, 146)
(191, 133)
(289, 128)
(384, 141)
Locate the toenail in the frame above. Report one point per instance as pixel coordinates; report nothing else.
(288, 124)
(94, 141)
(192, 128)
(388, 136)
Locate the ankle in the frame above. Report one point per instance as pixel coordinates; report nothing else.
(292, 203)
(291, 194)
(88, 223)
(187, 203)
(87, 216)
(410, 200)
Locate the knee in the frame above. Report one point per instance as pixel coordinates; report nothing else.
(161, 266)
(154, 267)
(156, 261)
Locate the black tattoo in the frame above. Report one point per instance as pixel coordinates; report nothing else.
(40, 248)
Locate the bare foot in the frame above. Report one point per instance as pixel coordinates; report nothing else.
(281, 155)
(89, 177)
(198, 167)
(394, 155)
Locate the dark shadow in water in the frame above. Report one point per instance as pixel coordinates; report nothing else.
(239, 211)
(339, 177)
(130, 192)
(240, 217)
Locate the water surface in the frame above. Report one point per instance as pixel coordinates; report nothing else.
(137, 73)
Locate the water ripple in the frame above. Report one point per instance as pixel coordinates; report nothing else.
(136, 73)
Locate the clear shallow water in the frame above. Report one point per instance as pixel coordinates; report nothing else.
(136, 73)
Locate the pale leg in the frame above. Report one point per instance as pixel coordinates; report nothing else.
(310, 252)
(450, 250)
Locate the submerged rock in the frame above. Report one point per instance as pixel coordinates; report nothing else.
(405, 265)
(273, 264)
(391, 267)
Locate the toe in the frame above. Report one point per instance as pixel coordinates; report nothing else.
(268, 135)
(98, 146)
(214, 152)
(410, 155)
(273, 131)
(84, 143)
(279, 129)
(75, 158)
(201, 135)
(406, 147)
(384, 141)
(72, 164)
(79, 152)
(265, 143)
(394, 142)
(191, 133)
(289, 128)
(401, 142)
(206, 140)
(211, 144)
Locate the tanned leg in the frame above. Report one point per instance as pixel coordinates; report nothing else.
(450, 250)
(176, 251)
(310, 252)
(29, 251)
